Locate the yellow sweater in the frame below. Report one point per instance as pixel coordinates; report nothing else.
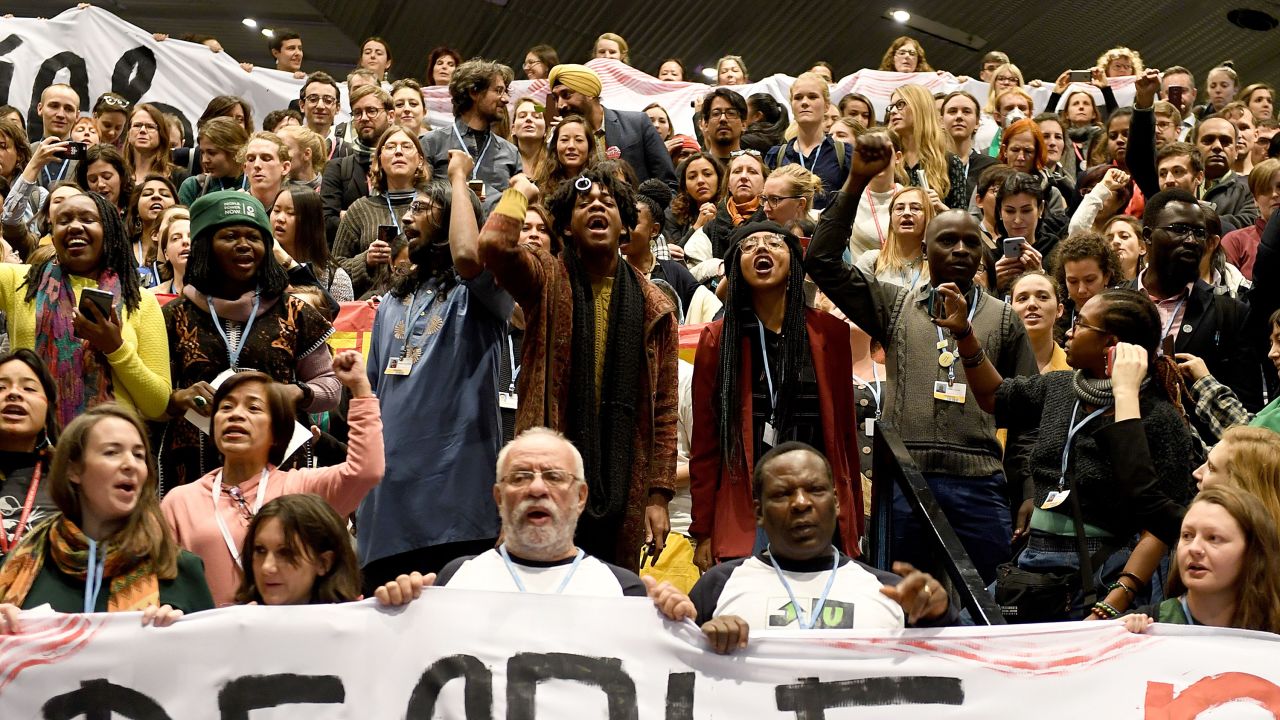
(139, 368)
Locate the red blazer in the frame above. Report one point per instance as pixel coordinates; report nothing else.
(723, 508)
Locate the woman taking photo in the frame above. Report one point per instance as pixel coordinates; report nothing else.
(1226, 569)
(572, 147)
(924, 145)
(174, 242)
(297, 224)
(147, 203)
(252, 424)
(108, 548)
(104, 171)
(146, 147)
(529, 135)
(812, 148)
(395, 169)
(901, 260)
(94, 357)
(704, 250)
(234, 314)
(773, 371)
(700, 179)
(297, 551)
(28, 432)
(1069, 410)
(1034, 296)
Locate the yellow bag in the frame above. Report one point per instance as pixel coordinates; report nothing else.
(675, 564)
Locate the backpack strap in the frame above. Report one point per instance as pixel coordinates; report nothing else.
(840, 159)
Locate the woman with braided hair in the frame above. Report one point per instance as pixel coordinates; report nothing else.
(1073, 411)
(771, 371)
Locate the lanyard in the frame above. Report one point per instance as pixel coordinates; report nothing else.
(800, 157)
(395, 220)
(1071, 435)
(61, 170)
(511, 355)
(217, 516)
(942, 341)
(93, 578)
(1169, 325)
(233, 353)
(477, 158)
(1186, 610)
(817, 610)
(411, 319)
(20, 529)
(768, 375)
(872, 387)
(875, 216)
(511, 568)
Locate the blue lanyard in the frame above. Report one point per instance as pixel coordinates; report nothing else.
(511, 355)
(768, 375)
(942, 342)
(1187, 611)
(1169, 325)
(391, 212)
(411, 319)
(511, 568)
(817, 610)
(816, 154)
(872, 387)
(93, 578)
(233, 353)
(1074, 428)
(483, 150)
(61, 170)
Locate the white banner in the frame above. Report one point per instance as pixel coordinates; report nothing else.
(460, 654)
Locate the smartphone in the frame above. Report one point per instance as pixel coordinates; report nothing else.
(100, 298)
(388, 233)
(1013, 247)
(1080, 76)
(477, 187)
(1175, 96)
(1111, 359)
(75, 150)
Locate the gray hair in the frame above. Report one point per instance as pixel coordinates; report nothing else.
(579, 469)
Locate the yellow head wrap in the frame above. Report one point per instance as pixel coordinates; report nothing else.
(578, 78)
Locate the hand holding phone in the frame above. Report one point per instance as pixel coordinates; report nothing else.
(1080, 76)
(1013, 247)
(103, 301)
(96, 321)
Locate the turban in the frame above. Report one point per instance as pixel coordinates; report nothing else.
(578, 78)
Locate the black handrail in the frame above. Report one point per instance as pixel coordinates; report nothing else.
(893, 465)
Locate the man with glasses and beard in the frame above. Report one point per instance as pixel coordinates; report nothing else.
(347, 180)
(433, 363)
(478, 89)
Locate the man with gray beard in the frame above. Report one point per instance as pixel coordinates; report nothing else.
(540, 492)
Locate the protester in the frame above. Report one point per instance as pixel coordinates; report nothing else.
(905, 55)
(539, 61)
(107, 531)
(1085, 265)
(724, 117)
(697, 303)
(1035, 298)
(701, 182)
(901, 259)
(442, 63)
(811, 147)
(58, 108)
(612, 46)
(1241, 245)
(221, 140)
(149, 199)
(925, 148)
(572, 147)
(297, 224)
(111, 114)
(348, 179)
(375, 55)
(146, 148)
(173, 240)
(788, 194)
(705, 249)
(105, 172)
(306, 157)
(479, 94)
(297, 551)
(28, 433)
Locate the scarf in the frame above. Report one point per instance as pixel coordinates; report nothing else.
(606, 435)
(1097, 391)
(134, 583)
(363, 153)
(741, 213)
(82, 374)
(718, 232)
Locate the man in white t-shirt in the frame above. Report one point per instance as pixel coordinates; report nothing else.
(801, 581)
(540, 492)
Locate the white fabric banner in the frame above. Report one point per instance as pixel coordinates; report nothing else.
(460, 654)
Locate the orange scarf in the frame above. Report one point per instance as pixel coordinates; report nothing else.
(741, 213)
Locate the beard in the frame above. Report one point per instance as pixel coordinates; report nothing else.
(1180, 271)
(536, 542)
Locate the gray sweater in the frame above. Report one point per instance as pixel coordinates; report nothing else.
(943, 437)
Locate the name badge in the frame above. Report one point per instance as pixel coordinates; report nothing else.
(770, 437)
(399, 366)
(1054, 499)
(949, 392)
(508, 400)
(870, 425)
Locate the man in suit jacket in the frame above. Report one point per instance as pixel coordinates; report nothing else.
(575, 90)
(347, 179)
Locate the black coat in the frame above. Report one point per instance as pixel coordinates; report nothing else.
(345, 181)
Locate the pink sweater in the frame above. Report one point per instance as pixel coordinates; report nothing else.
(190, 513)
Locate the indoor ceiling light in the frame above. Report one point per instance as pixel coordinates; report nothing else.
(250, 22)
(710, 73)
(268, 32)
(901, 16)
(936, 29)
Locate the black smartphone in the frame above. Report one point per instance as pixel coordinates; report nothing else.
(75, 150)
(1080, 76)
(103, 300)
(388, 233)
(1175, 96)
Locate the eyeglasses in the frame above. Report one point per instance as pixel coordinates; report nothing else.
(775, 200)
(726, 113)
(417, 207)
(1075, 327)
(740, 153)
(113, 101)
(370, 113)
(320, 100)
(903, 209)
(144, 126)
(896, 107)
(238, 497)
(535, 63)
(553, 478)
(1181, 231)
(772, 243)
(905, 52)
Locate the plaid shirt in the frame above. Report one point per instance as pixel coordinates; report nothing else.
(1217, 405)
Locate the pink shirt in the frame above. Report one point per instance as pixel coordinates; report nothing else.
(189, 508)
(1172, 310)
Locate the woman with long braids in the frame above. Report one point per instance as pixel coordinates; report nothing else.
(1068, 464)
(121, 356)
(772, 371)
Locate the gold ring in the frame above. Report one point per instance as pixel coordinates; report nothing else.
(928, 591)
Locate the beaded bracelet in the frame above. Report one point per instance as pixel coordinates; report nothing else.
(1119, 585)
(1106, 609)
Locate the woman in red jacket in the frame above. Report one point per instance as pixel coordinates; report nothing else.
(771, 370)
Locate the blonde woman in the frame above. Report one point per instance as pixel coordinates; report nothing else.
(811, 147)
(1248, 458)
(731, 70)
(871, 224)
(901, 260)
(924, 144)
(1120, 62)
(788, 194)
(611, 46)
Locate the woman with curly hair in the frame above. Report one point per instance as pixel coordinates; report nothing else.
(906, 55)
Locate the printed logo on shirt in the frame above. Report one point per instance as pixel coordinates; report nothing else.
(836, 615)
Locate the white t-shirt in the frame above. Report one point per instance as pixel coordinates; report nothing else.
(592, 577)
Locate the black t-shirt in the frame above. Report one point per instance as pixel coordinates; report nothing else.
(509, 366)
(16, 472)
(806, 410)
(680, 279)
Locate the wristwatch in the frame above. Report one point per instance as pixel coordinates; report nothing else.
(308, 394)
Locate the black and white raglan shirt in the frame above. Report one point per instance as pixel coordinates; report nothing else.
(750, 588)
(488, 571)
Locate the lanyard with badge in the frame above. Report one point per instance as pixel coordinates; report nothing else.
(813, 166)
(394, 220)
(822, 600)
(1057, 497)
(949, 390)
(770, 436)
(509, 400)
(217, 516)
(515, 576)
(233, 351)
(477, 158)
(1166, 347)
(402, 363)
(7, 544)
(872, 387)
(93, 578)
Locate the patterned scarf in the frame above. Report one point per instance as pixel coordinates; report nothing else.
(83, 374)
(134, 584)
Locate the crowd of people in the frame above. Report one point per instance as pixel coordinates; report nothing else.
(1069, 315)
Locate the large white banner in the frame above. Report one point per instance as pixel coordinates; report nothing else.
(460, 654)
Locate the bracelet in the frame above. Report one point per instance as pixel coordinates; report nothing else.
(1106, 609)
(308, 395)
(1136, 579)
(975, 360)
(1117, 585)
(968, 330)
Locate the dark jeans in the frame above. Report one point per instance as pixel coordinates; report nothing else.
(424, 560)
(978, 511)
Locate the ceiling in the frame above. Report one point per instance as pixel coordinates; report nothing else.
(1043, 38)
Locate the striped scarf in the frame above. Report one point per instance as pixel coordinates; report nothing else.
(82, 374)
(134, 584)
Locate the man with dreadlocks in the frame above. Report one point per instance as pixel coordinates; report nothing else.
(433, 362)
(951, 439)
(770, 371)
(599, 356)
